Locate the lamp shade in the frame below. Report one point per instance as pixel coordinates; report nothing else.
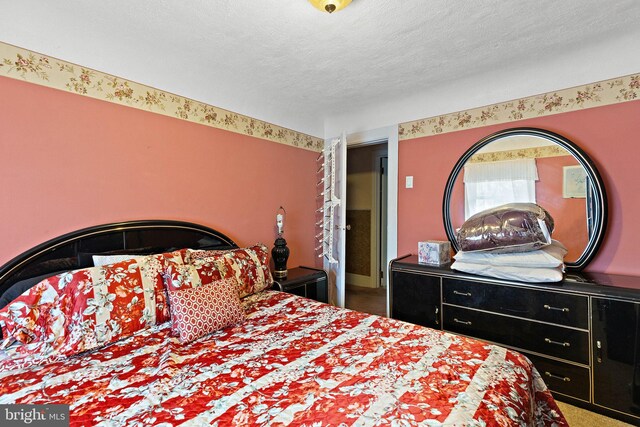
(330, 5)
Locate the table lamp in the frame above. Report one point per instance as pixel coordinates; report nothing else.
(280, 251)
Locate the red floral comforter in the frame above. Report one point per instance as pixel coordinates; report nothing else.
(293, 362)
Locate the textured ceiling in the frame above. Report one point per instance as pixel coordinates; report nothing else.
(287, 63)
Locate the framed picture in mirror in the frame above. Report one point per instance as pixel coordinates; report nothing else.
(574, 182)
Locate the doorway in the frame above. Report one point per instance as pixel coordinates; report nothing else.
(366, 238)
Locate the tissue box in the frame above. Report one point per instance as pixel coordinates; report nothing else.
(435, 252)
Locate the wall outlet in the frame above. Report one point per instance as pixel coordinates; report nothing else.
(408, 182)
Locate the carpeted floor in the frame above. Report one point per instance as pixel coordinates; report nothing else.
(374, 301)
(366, 300)
(577, 417)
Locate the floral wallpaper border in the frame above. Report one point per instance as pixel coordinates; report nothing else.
(607, 92)
(522, 153)
(40, 69)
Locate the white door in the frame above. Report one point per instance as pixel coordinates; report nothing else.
(335, 211)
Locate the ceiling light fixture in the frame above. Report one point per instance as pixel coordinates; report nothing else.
(330, 5)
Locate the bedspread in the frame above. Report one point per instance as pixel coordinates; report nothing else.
(293, 362)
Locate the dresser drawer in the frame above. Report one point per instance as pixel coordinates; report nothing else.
(547, 306)
(415, 298)
(557, 341)
(564, 378)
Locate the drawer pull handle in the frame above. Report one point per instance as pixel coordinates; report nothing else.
(563, 344)
(464, 322)
(464, 294)
(557, 377)
(563, 309)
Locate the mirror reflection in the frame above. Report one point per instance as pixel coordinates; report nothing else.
(527, 168)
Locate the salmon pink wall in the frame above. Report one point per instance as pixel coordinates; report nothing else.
(608, 134)
(70, 162)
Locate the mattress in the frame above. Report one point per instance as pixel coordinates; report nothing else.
(294, 361)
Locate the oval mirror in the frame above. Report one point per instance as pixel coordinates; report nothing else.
(524, 165)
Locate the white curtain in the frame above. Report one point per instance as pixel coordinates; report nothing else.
(491, 184)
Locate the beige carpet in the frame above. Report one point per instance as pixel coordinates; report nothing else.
(577, 417)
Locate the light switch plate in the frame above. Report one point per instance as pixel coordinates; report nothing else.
(408, 182)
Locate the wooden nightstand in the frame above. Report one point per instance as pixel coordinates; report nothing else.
(307, 282)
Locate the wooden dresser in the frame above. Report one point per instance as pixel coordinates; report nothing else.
(582, 334)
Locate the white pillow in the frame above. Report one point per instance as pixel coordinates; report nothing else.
(522, 274)
(100, 260)
(548, 257)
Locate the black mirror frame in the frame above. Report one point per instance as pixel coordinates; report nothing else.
(600, 206)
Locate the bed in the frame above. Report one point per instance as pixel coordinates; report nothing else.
(292, 361)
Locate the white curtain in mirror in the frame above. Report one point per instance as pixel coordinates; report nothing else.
(491, 184)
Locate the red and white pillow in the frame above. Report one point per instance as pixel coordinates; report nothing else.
(88, 308)
(190, 275)
(179, 277)
(201, 310)
(84, 309)
(35, 314)
(249, 266)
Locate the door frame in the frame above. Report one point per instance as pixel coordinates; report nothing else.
(389, 134)
(378, 205)
(379, 151)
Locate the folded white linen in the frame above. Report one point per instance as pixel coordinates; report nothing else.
(522, 274)
(548, 257)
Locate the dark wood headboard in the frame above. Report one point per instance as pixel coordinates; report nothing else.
(73, 250)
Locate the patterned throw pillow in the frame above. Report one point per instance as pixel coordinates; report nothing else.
(84, 309)
(205, 309)
(31, 316)
(249, 266)
(179, 276)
